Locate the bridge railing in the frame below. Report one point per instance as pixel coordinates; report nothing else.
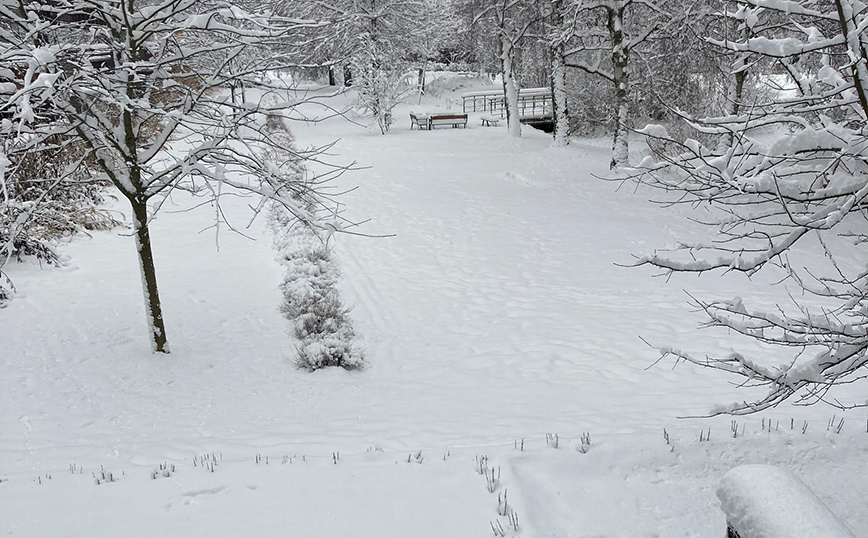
(532, 102)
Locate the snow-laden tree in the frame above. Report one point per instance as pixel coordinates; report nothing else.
(46, 193)
(144, 86)
(560, 30)
(510, 20)
(374, 38)
(437, 26)
(680, 72)
(790, 190)
(606, 34)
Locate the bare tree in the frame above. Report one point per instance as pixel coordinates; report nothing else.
(436, 26)
(606, 35)
(510, 20)
(560, 29)
(373, 38)
(805, 189)
(142, 84)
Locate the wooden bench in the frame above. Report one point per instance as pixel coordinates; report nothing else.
(433, 119)
(454, 120)
(489, 121)
(422, 121)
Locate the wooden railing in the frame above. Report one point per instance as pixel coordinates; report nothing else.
(532, 102)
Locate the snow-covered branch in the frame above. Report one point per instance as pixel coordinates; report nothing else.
(792, 178)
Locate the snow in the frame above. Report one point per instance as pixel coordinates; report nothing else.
(763, 501)
(491, 312)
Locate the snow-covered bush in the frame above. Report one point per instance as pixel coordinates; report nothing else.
(380, 89)
(47, 194)
(321, 321)
(311, 301)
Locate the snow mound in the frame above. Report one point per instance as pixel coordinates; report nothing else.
(764, 501)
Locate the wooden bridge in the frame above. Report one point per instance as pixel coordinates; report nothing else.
(535, 105)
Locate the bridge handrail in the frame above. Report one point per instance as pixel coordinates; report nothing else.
(495, 93)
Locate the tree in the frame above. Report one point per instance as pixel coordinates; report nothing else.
(45, 194)
(610, 31)
(374, 37)
(561, 30)
(680, 71)
(141, 84)
(511, 21)
(804, 190)
(436, 27)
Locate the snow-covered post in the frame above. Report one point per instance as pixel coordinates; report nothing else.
(763, 501)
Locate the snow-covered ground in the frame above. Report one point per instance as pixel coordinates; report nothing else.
(496, 310)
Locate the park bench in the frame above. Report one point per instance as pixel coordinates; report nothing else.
(489, 121)
(422, 121)
(434, 119)
(454, 120)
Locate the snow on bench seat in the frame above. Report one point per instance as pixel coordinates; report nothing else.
(763, 501)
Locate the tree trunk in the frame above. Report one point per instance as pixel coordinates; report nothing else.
(153, 308)
(560, 114)
(422, 81)
(332, 80)
(621, 76)
(510, 91)
(857, 51)
(734, 96)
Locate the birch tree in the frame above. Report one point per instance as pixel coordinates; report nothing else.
(375, 38)
(803, 190)
(510, 20)
(142, 85)
(560, 28)
(610, 32)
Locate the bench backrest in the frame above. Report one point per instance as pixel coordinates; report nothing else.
(449, 117)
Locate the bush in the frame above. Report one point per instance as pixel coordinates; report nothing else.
(49, 194)
(321, 322)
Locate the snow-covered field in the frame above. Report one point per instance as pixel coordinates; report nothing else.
(495, 311)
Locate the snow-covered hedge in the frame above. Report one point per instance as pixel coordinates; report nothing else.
(763, 501)
(322, 324)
